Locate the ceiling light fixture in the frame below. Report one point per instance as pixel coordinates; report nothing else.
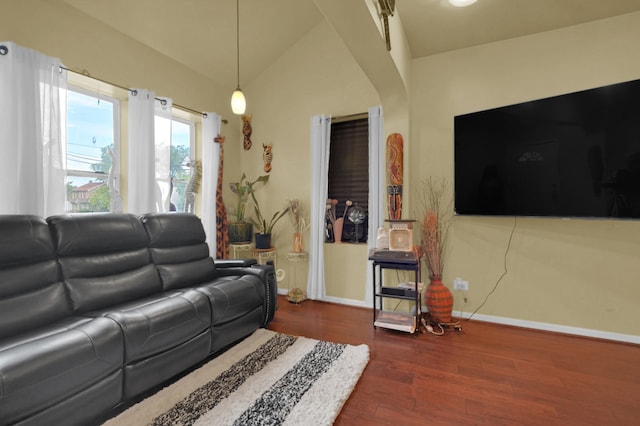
(462, 3)
(238, 102)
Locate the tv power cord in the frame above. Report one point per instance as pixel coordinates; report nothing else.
(506, 270)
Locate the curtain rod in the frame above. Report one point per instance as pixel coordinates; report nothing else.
(85, 73)
(341, 118)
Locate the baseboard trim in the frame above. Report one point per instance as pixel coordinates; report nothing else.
(350, 302)
(536, 325)
(337, 300)
(556, 328)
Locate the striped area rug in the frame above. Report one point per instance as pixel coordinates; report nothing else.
(267, 379)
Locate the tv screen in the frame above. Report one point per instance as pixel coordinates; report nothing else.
(574, 155)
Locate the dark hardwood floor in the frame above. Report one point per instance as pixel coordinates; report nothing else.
(486, 374)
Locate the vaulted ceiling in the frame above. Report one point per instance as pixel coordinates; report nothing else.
(201, 34)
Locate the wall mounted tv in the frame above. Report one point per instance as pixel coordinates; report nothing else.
(575, 155)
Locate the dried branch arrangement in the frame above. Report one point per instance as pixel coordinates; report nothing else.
(436, 214)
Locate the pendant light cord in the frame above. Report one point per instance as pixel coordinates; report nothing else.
(238, 40)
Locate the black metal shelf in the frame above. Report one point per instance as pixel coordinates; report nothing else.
(405, 262)
(397, 293)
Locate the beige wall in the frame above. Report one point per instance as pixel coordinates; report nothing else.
(576, 273)
(82, 43)
(557, 268)
(316, 76)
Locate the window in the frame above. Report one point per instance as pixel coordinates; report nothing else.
(349, 172)
(92, 139)
(92, 142)
(181, 165)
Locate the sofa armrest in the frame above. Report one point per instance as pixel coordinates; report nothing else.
(234, 263)
(267, 274)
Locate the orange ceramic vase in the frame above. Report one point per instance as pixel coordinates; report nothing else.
(298, 247)
(337, 229)
(439, 300)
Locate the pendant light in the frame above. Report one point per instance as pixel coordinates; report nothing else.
(238, 102)
(462, 3)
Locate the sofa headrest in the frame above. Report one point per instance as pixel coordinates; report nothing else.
(84, 234)
(24, 239)
(173, 229)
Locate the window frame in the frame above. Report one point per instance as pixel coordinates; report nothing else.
(185, 118)
(78, 88)
(103, 90)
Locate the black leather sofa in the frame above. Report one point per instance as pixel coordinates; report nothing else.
(96, 309)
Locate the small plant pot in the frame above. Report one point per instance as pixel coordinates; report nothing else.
(263, 241)
(240, 232)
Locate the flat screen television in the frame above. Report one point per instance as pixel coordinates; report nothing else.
(576, 155)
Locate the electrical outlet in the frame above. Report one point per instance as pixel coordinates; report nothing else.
(460, 284)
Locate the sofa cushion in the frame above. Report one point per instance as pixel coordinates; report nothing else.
(188, 274)
(232, 297)
(31, 292)
(177, 242)
(41, 368)
(31, 310)
(99, 292)
(104, 259)
(160, 322)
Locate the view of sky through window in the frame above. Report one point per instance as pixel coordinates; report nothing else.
(90, 132)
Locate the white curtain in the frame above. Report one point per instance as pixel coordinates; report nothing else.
(32, 132)
(142, 182)
(376, 186)
(320, 136)
(210, 162)
(162, 142)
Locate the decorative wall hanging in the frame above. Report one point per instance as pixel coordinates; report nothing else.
(222, 225)
(246, 132)
(394, 173)
(267, 157)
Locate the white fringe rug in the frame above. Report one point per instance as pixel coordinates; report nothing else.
(267, 379)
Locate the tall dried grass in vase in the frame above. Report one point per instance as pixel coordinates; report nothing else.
(435, 218)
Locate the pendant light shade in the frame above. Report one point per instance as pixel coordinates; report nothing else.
(238, 102)
(462, 3)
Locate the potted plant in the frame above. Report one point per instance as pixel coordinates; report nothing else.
(240, 228)
(265, 229)
(435, 218)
